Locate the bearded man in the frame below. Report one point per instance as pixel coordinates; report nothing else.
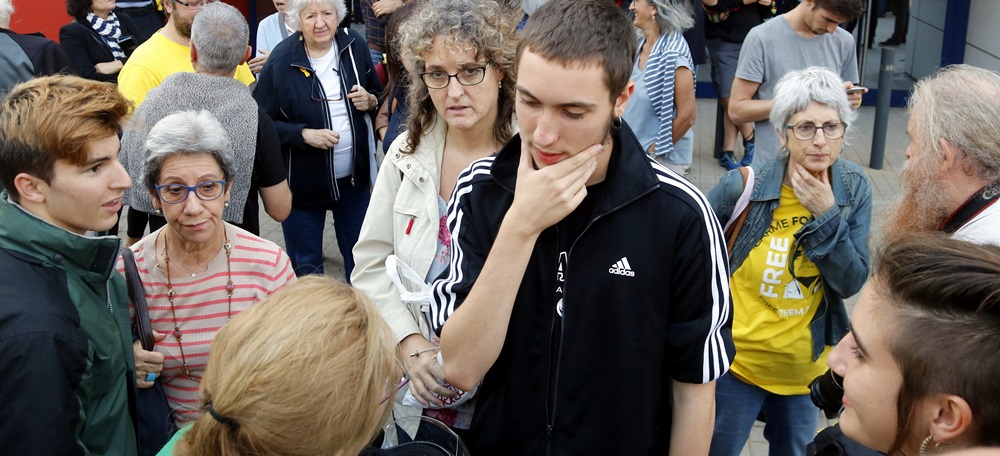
(165, 53)
(952, 180)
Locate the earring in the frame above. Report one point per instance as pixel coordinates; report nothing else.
(499, 84)
(939, 447)
(157, 211)
(226, 205)
(616, 122)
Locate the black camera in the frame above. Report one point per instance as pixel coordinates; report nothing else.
(826, 392)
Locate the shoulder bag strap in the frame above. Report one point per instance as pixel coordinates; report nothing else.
(137, 296)
(739, 215)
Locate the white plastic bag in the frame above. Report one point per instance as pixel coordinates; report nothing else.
(419, 301)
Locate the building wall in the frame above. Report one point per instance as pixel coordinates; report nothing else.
(44, 16)
(47, 16)
(923, 40)
(982, 45)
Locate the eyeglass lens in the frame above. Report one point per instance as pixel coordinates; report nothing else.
(195, 4)
(807, 131)
(176, 193)
(466, 77)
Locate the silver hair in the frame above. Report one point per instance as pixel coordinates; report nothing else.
(220, 34)
(6, 11)
(797, 89)
(187, 132)
(295, 7)
(958, 103)
(673, 15)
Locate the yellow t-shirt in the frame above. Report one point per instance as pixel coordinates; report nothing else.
(776, 292)
(156, 59)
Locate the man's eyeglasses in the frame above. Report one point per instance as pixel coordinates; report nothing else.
(195, 4)
(467, 77)
(807, 130)
(177, 193)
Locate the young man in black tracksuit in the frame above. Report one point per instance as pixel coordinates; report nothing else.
(588, 286)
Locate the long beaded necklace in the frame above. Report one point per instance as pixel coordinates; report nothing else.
(170, 295)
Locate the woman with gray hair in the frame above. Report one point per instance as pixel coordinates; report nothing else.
(197, 271)
(662, 107)
(801, 249)
(319, 87)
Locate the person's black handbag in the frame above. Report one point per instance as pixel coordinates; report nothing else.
(155, 420)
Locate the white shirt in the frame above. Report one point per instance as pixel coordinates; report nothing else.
(327, 70)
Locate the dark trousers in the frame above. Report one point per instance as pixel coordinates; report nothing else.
(303, 230)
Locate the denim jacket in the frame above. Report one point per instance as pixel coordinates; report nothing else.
(837, 241)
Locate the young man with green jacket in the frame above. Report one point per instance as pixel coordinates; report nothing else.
(65, 345)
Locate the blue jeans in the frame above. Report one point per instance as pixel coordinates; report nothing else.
(791, 420)
(303, 230)
(683, 153)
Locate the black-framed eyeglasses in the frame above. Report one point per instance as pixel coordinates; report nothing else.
(195, 4)
(467, 77)
(177, 193)
(317, 94)
(807, 130)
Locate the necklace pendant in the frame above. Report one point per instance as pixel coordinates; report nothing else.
(229, 286)
(178, 334)
(193, 274)
(170, 293)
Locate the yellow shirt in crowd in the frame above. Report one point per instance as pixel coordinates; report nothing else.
(156, 59)
(776, 292)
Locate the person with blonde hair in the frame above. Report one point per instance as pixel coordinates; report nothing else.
(300, 373)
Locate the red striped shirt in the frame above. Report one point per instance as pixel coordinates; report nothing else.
(259, 268)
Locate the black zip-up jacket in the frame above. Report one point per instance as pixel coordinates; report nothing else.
(288, 91)
(86, 48)
(646, 301)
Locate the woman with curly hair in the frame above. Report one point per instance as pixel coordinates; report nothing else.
(459, 54)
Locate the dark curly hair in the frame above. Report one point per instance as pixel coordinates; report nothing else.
(78, 8)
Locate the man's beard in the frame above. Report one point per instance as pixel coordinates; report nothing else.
(183, 27)
(922, 204)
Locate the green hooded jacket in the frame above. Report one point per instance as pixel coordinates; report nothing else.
(68, 381)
